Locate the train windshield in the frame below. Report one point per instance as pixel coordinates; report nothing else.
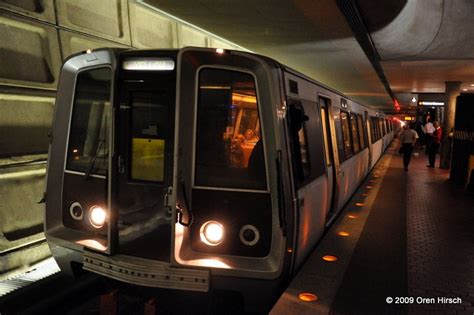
(88, 137)
(229, 144)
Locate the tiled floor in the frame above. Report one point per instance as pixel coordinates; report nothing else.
(440, 225)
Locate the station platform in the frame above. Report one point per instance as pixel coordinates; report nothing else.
(403, 245)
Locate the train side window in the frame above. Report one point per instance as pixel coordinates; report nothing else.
(372, 130)
(299, 137)
(88, 136)
(354, 134)
(339, 137)
(229, 149)
(375, 129)
(346, 135)
(360, 126)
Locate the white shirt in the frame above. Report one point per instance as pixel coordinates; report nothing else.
(429, 128)
(409, 136)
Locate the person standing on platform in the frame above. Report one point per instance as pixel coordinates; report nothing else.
(408, 139)
(429, 129)
(435, 143)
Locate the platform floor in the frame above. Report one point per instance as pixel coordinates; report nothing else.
(410, 244)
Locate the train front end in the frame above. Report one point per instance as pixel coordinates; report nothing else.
(165, 169)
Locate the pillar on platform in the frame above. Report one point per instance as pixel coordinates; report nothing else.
(453, 89)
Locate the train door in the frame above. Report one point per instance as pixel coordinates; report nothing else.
(144, 133)
(324, 106)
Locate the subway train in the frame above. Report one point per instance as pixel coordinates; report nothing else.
(200, 169)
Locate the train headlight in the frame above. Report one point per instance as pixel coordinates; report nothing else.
(249, 235)
(75, 210)
(97, 216)
(212, 233)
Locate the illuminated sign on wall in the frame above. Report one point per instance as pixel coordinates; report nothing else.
(425, 103)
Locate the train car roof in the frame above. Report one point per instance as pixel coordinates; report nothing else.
(278, 64)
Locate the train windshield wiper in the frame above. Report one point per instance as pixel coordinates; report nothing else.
(93, 158)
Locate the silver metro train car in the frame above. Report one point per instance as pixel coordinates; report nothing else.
(199, 169)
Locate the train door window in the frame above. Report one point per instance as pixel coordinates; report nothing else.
(324, 123)
(229, 145)
(360, 126)
(299, 137)
(346, 135)
(88, 136)
(149, 129)
(354, 134)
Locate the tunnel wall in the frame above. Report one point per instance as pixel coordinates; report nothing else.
(35, 37)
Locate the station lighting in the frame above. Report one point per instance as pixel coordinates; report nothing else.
(97, 216)
(352, 216)
(308, 297)
(219, 50)
(329, 258)
(212, 233)
(413, 99)
(343, 233)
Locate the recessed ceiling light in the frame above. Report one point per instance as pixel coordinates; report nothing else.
(464, 90)
(472, 84)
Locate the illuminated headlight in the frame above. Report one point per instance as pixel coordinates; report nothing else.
(212, 233)
(97, 216)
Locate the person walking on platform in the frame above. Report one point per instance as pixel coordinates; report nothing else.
(435, 143)
(407, 139)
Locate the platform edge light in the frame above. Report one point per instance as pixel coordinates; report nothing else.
(148, 63)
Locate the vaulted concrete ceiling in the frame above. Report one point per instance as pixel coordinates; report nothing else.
(418, 45)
